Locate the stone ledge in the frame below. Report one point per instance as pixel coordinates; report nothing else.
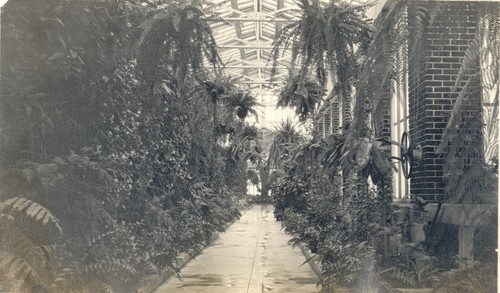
(312, 260)
(462, 214)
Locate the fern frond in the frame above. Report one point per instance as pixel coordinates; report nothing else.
(406, 278)
(32, 209)
(17, 272)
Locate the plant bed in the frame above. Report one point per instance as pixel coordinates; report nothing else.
(151, 282)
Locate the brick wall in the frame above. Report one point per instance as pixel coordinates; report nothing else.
(436, 51)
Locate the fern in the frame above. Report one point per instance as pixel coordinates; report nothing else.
(399, 277)
(418, 275)
(180, 36)
(469, 127)
(241, 103)
(34, 210)
(303, 94)
(322, 42)
(17, 273)
(26, 253)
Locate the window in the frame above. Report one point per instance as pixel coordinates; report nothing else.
(399, 108)
(491, 88)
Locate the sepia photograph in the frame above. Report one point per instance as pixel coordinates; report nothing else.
(249, 146)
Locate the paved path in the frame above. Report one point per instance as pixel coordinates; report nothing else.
(251, 256)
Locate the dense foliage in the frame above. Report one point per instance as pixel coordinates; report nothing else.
(323, 43)
(337, 216)
(334, 193)
(104, 142)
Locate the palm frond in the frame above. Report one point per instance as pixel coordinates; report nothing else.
(322, 41)
(17, 273)
(178, 36)
(25, 258)
(285, 138)
(242, 103)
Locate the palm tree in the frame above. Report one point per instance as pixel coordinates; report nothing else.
(216, 89)
(285, 138)
(241, 143)
(304, 94)
(323, 41)
(241, 103)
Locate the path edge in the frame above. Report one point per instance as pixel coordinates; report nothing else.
(312, 260)
(151, 282)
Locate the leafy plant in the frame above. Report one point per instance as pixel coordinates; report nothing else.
(471, 278)
(117, 149)
(420, 274)
(285, 139)
(346, 265)
(303, 94)
(322, 43)
(26, 247)
(334, 215)
(179, 35)
(215, 89)
(241, 103)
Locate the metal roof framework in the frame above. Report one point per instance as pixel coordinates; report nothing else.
(245, 43)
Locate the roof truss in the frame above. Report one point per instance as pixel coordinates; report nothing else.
(245, 45)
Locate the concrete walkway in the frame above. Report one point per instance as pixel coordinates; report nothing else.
(251, 256)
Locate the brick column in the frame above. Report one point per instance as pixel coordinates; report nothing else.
(436, 49)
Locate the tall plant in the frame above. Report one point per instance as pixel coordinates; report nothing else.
(179, 35)
(113, 149)
(323, 42)
(303, 94)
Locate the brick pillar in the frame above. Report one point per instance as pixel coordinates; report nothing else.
(436, 51)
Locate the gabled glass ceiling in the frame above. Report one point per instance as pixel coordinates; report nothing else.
(245, 44)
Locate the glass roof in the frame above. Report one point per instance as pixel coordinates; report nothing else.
(245, 46)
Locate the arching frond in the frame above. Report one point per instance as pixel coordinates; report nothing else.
(323, 41)
(177, 37)
(241, 103)
(303, 94)
(31, 209)
(285, 138)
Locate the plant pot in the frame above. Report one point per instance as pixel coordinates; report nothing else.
(414, 290)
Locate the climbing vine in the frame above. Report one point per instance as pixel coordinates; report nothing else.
(110, 144)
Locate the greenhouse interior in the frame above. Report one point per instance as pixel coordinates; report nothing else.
(249, 146)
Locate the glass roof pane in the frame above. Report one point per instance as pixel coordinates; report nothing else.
(245, 45)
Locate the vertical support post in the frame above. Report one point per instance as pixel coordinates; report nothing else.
(466, 242)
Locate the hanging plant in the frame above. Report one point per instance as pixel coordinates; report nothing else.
(303, 94)
(323, 41)
(242, 103)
